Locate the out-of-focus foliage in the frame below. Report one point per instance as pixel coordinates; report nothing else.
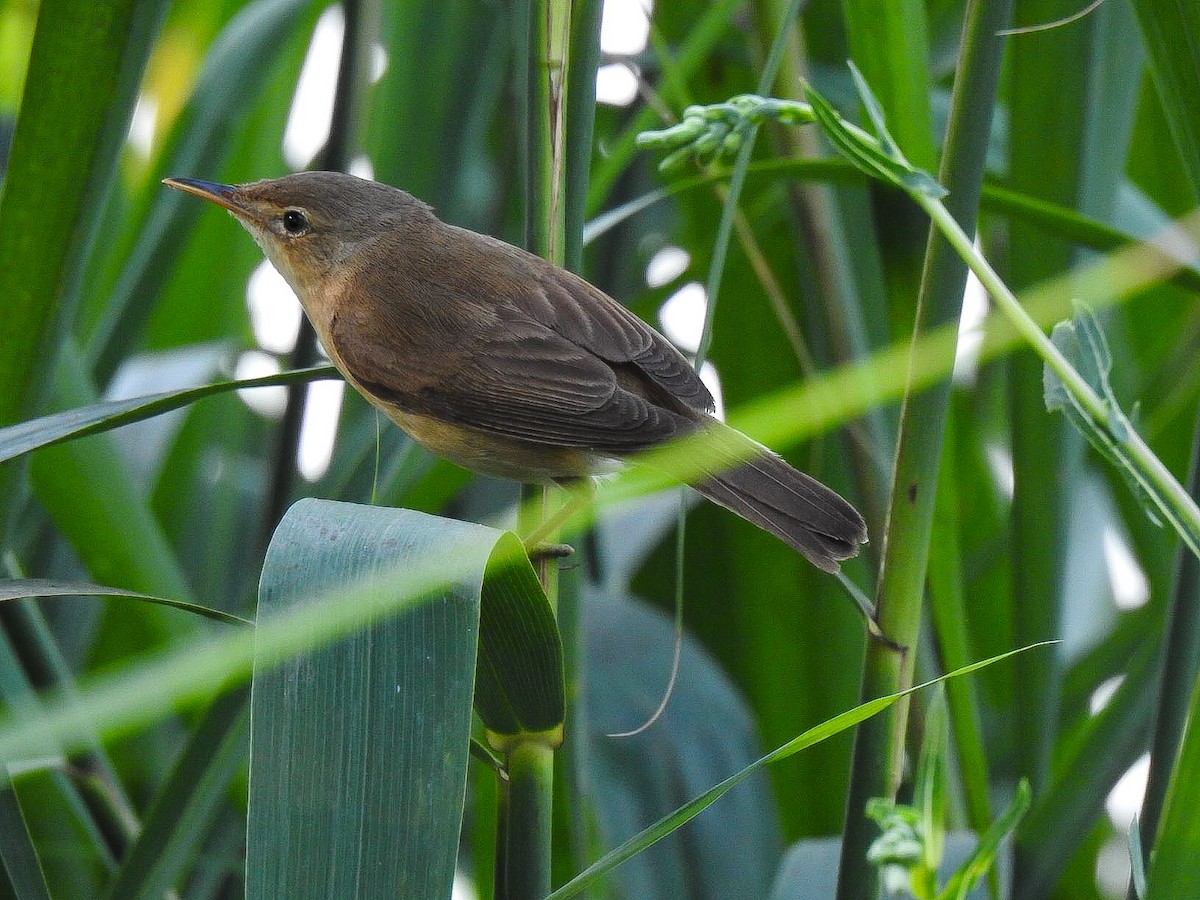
(129, 290)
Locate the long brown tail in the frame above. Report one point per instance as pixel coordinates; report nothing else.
(794, 507)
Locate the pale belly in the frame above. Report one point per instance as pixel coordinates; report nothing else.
(501, 457)
(482, 452)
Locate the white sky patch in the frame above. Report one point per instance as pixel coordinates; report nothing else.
(616, 84)
(274, 310)
(379, 62)
(712, 381)
(464, 887)
(1104, 693)
(970, 330)
(625, 27)
(1112, 868)
(666, 265)
(1125, 799)
(266, 401)
(319, 428)
(682, 316)
(361, 166)
(312, 106)
(1000, 462)
(141, 125)
(1130, 586)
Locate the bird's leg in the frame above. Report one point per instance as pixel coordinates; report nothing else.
(580, 492)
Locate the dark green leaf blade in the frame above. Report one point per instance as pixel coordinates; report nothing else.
(519, 680)
(1171, 29)
(185, 804)
(46, 587)
(86, 62)
(22, 869)
(24, 437)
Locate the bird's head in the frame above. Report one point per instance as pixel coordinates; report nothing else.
(313, 225)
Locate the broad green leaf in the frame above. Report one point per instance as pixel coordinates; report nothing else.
(706, 732)
(382, 716)
(1047, 159)
(86, 62)
(116, 703)
(1171, 30)
(519, 677)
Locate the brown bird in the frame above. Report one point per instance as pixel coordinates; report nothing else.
(502, 362)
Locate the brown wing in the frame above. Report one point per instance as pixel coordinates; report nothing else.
(522, 380)
(591, 319)
(493, 338)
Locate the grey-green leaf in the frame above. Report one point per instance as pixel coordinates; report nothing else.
(359, 749)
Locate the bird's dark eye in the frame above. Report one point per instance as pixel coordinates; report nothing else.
(295, 222)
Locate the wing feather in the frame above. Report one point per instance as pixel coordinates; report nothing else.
(516, 346)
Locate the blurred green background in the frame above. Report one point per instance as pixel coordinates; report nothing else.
(116, 287)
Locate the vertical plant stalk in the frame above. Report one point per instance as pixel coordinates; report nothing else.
(1179, 666)
(948, 608)
(525, 856)
(574, 819)
(878, 743)
(1173, 870)
(524, 851)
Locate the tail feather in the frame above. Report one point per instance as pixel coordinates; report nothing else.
(794, 507)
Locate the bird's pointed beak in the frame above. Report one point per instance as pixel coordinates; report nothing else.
(225, 195)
